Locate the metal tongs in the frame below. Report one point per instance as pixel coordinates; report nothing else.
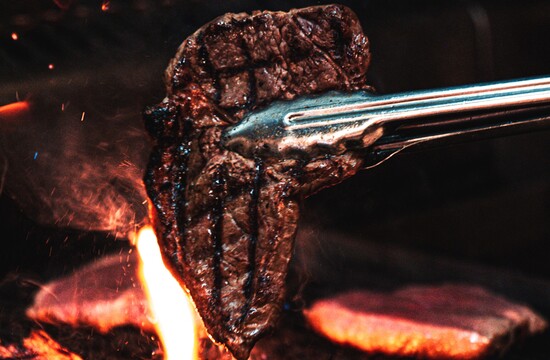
(383, 125)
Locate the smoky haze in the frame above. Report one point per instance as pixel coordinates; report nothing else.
(76, 159)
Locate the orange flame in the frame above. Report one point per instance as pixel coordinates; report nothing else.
(171, 308)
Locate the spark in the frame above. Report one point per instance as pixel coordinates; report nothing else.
(83, 115)
(14, 36)
(51, 66)
(106, 5)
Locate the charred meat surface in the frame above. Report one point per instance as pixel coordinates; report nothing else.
(226, 224)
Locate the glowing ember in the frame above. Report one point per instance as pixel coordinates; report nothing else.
(38, 345)
(14, 110)
(105, 5)
(50, 66)
(14, 36)
(170, 306)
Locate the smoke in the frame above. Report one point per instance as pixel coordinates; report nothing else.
(68, 167)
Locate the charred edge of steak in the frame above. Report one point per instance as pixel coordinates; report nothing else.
(160, 121)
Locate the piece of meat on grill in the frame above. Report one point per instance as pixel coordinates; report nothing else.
(430, 322)
(104, 294)
(225, 223)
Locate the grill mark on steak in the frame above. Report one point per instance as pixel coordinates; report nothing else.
(182, 155)
(253, 210)
(339, 50)
(207, 65)
(251, 100)
(218, 188)
(328, 56)
(237, 218)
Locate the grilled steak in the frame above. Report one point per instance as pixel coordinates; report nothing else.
(226, 224)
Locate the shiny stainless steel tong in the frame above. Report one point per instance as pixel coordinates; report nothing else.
(382, 125)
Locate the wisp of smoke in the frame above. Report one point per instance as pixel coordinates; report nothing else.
(73, 169)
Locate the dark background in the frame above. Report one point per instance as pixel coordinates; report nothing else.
(487, 201)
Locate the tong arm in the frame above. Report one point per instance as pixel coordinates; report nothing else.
(335, 122)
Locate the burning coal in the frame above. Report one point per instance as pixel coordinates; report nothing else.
(38, 345)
